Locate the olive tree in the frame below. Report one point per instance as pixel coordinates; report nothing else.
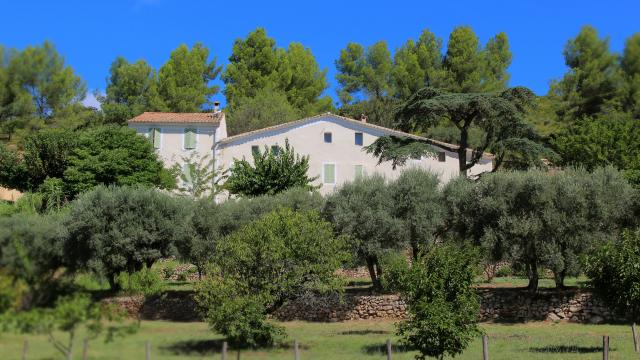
(31, 250)
(209, 222)
(538, 219)
(417, 202)
(363, 211)
(115, 229)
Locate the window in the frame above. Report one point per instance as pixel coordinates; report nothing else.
(189, 139)
(329, 174)
(358, 171)
(442, 156)
(327, 137)
(275, 149)
(154, 136)
(188, 172)
(255, 150)
(358, 139)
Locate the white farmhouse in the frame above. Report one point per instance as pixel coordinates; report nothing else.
(333, 143)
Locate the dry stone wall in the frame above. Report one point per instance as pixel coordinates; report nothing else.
(499, 305)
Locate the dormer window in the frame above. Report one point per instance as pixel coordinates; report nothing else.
(328, 138)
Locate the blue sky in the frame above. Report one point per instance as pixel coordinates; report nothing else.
(90, 34)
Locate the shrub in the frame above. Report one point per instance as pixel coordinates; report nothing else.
(441, 304)
(264, 264)
(31, 250)
(504, 271)
(210, 222)
(615, 274)
(271, 172)
(363, 211)
(144, 282)
(116, 229)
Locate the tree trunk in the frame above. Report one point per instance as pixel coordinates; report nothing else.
(414, 250)
(533, 277)
(371, 265)
(462, 151)
(558, 277)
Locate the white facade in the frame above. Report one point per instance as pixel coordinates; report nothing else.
(333, 143)
(342, 155)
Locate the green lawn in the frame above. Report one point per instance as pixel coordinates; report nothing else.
(348, 340)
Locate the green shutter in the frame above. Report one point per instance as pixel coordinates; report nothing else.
(358, 171)
(189, 139)
(329, 173)
(154, 134)
(188, 170)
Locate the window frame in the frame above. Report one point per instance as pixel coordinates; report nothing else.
(195, 139)
(355, 138)
(150, 136)
(442, 156)
(335, 173)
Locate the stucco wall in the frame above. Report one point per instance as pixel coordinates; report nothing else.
(172, 149)
(308, 139)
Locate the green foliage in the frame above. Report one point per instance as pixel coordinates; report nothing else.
(145, 282)
(463, 61)
(69, 315)
(500, 117)
(38, 89)
(29, 203)
(257, 66)
(267, 108)
(504, 271)
(183, 81)
(614, 273)
(132, 88)
(593, 82)
(442, 306)
(611, 139)
(264, 264)
(272, 172)
(537, 219)
(354, 208)
(418, 203)
(199, 178)
(630, 64)
(115, 229)
(209, 222)
(112, 155)
(53, 196)
(31, 250)
(12, 169)
(236, 312)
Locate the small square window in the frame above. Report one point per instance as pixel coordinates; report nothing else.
(358, 139)
(275, 149)
(328, 138)
(442, 156)
(255, 150)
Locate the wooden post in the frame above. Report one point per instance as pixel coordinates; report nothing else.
(388, 349)
(225, 346)
(636, 346)
(485, 347)
(296, 350)
(25, 348)
(605, 347)
(85, 349)
(147, 350)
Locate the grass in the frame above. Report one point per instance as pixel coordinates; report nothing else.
(342, 341)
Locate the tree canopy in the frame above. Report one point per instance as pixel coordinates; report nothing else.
(273, 170)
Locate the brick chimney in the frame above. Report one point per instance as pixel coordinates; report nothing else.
(363, 118)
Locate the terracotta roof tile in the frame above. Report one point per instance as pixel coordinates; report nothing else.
(167, 117)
